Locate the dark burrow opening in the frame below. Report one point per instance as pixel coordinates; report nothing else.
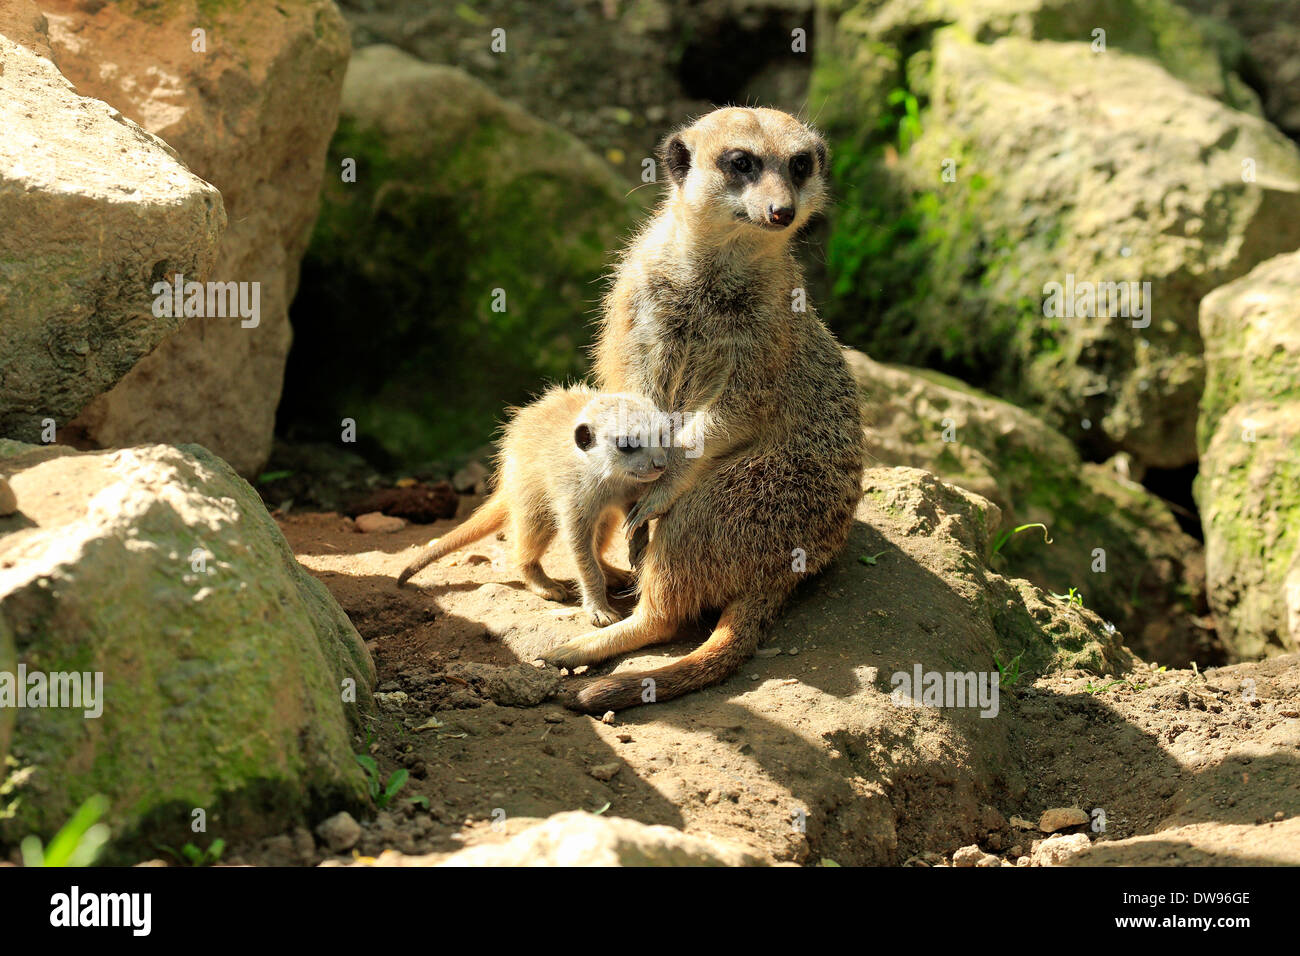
(1174, 485)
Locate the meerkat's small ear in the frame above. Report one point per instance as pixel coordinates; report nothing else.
(676, 157)
(584, 437)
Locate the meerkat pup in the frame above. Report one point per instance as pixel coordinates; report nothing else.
(572, 462)
(707, 317)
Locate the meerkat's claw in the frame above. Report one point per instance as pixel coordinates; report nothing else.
(603, 616)
(641, 514)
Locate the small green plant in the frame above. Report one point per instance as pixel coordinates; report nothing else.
(870, 559)
(77, 844)
(193, 856)
(1092, 688)
(909, 122)
(266, 477)
(1006, 536)
(1009, 673)
(1137, 686)
(1072, 596)
(380, 792)
(419, 800)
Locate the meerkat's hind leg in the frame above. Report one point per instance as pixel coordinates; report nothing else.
(629, 634)
(531, 540)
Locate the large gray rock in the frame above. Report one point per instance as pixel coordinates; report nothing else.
(1111, 539)
(93, 211)
(1248, 487)
(252, 114)
(1065, 165)
(226, 669)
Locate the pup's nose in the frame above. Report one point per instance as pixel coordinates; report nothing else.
(659, 459)
(780, 215)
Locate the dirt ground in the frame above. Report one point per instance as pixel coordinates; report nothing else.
(1171, 767)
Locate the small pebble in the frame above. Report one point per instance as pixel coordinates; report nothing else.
(1061, 818)
(339, 832)
(376, 522)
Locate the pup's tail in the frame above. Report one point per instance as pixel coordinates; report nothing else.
(488, 518)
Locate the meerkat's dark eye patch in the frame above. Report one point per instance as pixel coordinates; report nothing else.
(740, 164)
(584, 437)
(800, 167)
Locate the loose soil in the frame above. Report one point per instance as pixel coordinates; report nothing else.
(1173, 767)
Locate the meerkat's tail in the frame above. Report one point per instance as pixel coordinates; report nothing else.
(732, 643)
(488, 518)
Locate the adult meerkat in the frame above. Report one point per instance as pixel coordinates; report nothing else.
(707, 317)
(573, 461)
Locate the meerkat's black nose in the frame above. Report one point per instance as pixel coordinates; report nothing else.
(780, 215)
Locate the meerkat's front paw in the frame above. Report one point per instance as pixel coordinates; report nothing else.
(654, 505)
(602, 616)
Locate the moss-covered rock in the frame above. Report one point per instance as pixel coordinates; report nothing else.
(1197, 50)
(458, 272)
(953, 536)
(1248, 488)
(231, 680)
(1117, 545)
(990, 165)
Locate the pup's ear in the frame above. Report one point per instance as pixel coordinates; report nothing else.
(823, 158)
(676, 157)
(584, 437)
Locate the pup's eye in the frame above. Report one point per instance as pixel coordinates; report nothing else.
(742, 164)
(801, 166)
